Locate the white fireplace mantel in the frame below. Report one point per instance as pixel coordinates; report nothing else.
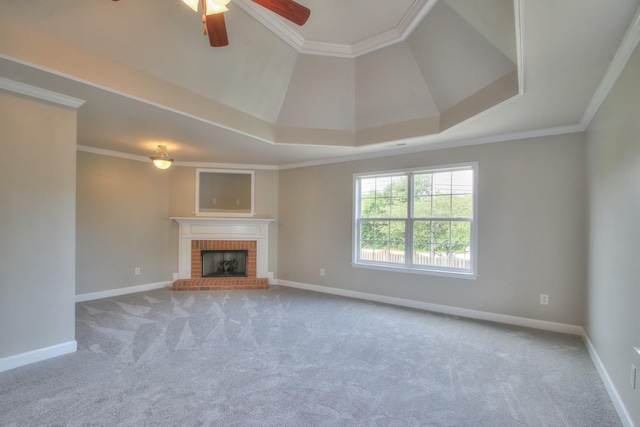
(199, 228)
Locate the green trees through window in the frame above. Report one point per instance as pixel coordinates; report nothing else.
(418, 219)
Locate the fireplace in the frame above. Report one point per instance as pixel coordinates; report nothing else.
(217, 250)
(244, 243)
(224, 263)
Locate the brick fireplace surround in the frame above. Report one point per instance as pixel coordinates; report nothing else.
(198, 234)
(199, 283)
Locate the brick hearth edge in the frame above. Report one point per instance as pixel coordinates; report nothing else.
(198, 283)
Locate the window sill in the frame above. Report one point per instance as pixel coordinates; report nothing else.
(426, 272)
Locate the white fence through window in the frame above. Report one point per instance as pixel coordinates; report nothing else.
(420, 258)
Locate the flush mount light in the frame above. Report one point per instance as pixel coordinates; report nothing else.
(162, 160)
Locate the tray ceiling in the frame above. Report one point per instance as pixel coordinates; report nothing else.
(359, 78)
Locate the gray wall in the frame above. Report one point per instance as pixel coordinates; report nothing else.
(122, 223)
(532, 229)
(613, 320)
(123, 211)
(37, 224)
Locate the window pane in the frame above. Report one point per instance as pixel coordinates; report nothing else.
(422, 191)
(383, 197)
(462, 182)
(442, 206)
(367, 231)
(422, 184)
(382, 241)
(442, 244)
(397, 236)
(462, 206)
(421, 242)
(398, 207)
(440, 232)
(442, 183)
(460, 238)
(398, 197)
(422, 207)
(368, 207)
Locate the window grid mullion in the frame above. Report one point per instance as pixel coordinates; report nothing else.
(408, 228)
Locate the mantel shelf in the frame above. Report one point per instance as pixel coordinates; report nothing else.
(218, 220)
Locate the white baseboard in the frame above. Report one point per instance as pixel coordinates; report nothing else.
(445, 309)
(625, 418)
(39, 355)
(121, 291)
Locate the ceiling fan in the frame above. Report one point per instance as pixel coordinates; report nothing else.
(213, 15)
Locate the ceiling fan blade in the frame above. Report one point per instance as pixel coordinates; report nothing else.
(217, 30)
(288, 9)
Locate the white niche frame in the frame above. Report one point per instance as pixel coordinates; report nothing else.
(206, 178)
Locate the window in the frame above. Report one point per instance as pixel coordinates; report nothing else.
(420, 220)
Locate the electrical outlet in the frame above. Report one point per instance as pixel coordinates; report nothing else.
(214, 201)
(544, 299)
(633, 376)
(137, 271)
(322, 271)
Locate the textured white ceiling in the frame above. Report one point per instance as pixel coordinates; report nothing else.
(148, 74)
(348, 22)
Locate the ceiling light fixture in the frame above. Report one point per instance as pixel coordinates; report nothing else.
(212, 19)
(162, 161)
(216, 28)
(209, 7)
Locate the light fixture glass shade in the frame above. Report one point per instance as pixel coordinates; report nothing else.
(193, 4)
(162, 161)
(216, 6)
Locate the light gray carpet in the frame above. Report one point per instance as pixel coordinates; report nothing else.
(286, 357)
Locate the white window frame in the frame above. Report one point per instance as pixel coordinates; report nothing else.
(408, 266)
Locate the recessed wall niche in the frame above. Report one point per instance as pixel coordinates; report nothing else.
(223, 192)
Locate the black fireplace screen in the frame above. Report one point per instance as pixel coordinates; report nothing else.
(224, 263)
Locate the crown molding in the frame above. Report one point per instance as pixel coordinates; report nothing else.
(144, 159)
(111, 153)
(392, 151)
(407, 24)
(622, 56)
(418, 145)
(211, 165)
(39, 93)
(413, 17)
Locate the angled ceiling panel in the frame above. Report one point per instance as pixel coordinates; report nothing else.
(494, 19)
(320, 94)
(390, 88)
(454, 58)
